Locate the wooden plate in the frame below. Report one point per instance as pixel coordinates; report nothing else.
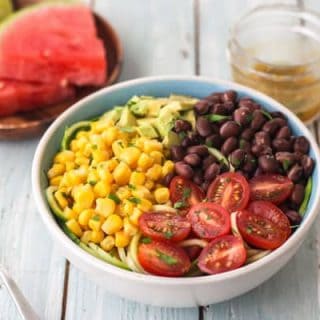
(29, 124)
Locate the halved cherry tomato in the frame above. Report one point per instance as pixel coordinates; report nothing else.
(222, 254)
(184, 193)
(209, 220)
(263, 225)
(270, 187)
(230, 190)
(163, 258)
(162, 225)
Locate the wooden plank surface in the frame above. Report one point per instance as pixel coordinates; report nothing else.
(292, 293)
(158, 39)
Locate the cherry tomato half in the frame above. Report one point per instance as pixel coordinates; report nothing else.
(209, 220)
(263, 225)
(162, 225)
(230, 190)
(184, 193)
(163, 259)
(270, 187)
(222, 254)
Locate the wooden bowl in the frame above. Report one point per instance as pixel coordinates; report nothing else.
(32, 123)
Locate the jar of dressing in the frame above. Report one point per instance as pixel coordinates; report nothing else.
(276, 49)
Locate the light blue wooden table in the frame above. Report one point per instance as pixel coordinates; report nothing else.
(159, 37)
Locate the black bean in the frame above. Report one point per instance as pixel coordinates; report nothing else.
(308, 165)
(182, 126)
(261, 149)
(200, 150)
(247, 134)
(177, 153)
(214, 141)
(294, 217)
(229, 106)
(219, 108)
(237, 158)
(301, 144)
(210, 159)
(256, 106)
(287, 159)
(280, 144)
(262, 137)
(277, 114)
(229, 95)
(268, 163)
(198, 177)
(192, 159)
(284, 133)
(297, 194)
(250, 164)
(195, 139)
(211, 172)
(167, 179)
(298, 156)
(202, 106)
(245, 145)
(229, 145)
(246, 103)
(295, 173)
(214, 97)
(229, 129)
(203, 127)
(184, 170)
(271, 127)
(258, 172)
(258, 120)
(242, 116)
(186, 142)
(205, 185)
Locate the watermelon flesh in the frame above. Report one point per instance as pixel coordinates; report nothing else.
(24, 96)
(53, 43)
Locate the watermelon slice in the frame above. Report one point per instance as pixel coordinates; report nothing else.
(24, 96)
(53, 43)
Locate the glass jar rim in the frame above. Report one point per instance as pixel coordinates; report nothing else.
(295, 10)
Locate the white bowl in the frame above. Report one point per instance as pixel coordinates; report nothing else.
(163, 291)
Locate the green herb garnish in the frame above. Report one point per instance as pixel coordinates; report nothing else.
(135, 200)
(168, 234)
(92, 182)
(114, 197)
(179, 205)
(131, 186)
(96, 218)
(145, 240)
(217, 117)
(166, 258)
(94, 147)
(286, 164)
(267, 114)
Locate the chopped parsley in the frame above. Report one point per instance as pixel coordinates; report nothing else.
(114, 197)
(286, 164)
(186, 192)
(94, 147)
(166, 258)
(135, 200)
(182, 135)
(146, 240)
(179, 205)
(168, 234)
(131, 186)
(267, 114)
(92, 182)
(96, 218)
(217, 117)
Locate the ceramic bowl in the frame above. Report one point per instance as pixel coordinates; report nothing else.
(163, 291)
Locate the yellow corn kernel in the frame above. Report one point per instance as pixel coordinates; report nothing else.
(121, 173)
(144, 205)
(167, 168)
(96, 236)
(61, 198)
(134, 218)
(86, 237)
(129, 228)
(71, 179)
(95, 222)
(149, 184)
(74, 147)
(145, 162)
(112, 224)
(92, 177)
(100, 155)
(82, 134)
(82, 160)
(162, 195)
(70, 165)
(107, 243)
(117, 147)
(126, 208)
(104, 174)
(137, 178)
(141, 192)
(101, 189)
(105, 207)
(56, 170)
(152, 145)
(110, 135)
(96, 141)
(74, 227)
(121, 239)
(82, 142)
(85, 216)
(99, 126)
(123, 193)
(111, 164)
(154, 173)
(157, 156)
(69, 213)
(84, 196)
(64, 156)
(55, 181)
(130, 156)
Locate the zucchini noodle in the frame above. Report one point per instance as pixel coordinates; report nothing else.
(132, 253)
(122, 255)
(193, 242)
(163, 207)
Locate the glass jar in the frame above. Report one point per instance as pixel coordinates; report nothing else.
(276, 49)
